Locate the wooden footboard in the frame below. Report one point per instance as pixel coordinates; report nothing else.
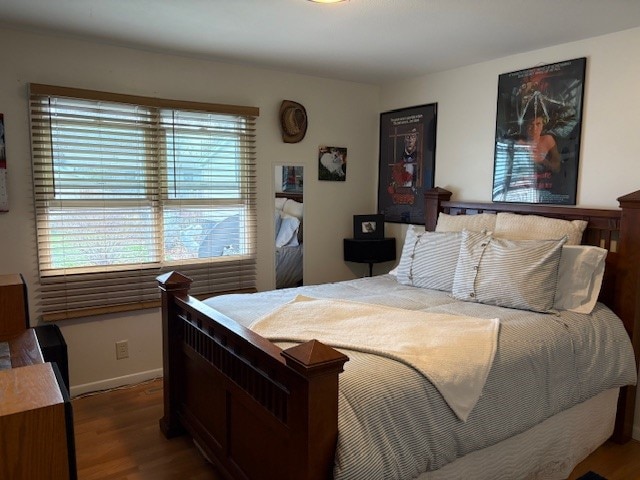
(256, 411)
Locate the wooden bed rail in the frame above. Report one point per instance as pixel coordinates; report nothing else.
(617, 230)
(285, 401)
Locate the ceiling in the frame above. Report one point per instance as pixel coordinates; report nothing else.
(368, 41)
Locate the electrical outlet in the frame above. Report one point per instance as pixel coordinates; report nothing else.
(122, 349)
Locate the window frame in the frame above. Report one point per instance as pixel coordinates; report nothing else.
(234, 274)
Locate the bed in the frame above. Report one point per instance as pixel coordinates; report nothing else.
(289, 247)
(263, 409)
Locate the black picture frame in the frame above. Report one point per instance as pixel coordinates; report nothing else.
(404, 175)
(538, 134)
(368, 226)
(332, 163)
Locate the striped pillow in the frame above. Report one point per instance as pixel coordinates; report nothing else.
(518, 274)
(428, 259)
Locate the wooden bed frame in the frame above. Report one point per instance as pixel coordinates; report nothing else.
(260, 412)
(297, 196)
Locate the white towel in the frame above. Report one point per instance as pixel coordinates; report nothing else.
(454, 352)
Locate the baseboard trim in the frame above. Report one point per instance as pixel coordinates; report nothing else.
(115, 382)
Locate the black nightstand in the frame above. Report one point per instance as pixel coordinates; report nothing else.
(372, 251)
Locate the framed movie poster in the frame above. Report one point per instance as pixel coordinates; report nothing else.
(538, 126)
(407, 162)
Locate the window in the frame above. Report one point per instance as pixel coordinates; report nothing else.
(127, 188)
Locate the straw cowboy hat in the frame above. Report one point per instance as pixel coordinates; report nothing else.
(293, 120)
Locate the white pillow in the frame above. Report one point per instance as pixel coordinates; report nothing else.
(482, 222)
(288, 233)
(280, 201)
(518, 274)
(579, 278)
(533, 227)
(293, 208)
(428, 259)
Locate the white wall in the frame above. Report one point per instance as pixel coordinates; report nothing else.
(467, 97)
(340, 114)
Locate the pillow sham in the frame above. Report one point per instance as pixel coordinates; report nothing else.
(474, 223)
(415, 231)
(428, 259)
(518, 274)
(580, 276)
(534, 227)
(404, 256)
(287, 235)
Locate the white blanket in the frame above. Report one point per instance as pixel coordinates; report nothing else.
(454, 352)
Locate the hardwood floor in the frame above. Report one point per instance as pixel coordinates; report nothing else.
(612, 461)
(117, 437)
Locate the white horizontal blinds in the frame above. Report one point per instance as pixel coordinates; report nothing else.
(208, 198)
(127, 189)
(95, 185)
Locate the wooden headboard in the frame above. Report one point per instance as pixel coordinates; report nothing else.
(617, 230)
(297, 196)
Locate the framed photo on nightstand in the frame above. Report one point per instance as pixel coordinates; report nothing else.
(368, 226)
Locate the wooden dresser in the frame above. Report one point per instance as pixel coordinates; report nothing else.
(36, 418)
(34, 425)
(14, 314)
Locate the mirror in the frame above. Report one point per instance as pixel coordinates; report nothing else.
(289, 186)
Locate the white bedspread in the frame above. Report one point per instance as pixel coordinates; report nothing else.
(454, 352)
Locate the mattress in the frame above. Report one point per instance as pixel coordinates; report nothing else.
(396, 425)
(548, 451)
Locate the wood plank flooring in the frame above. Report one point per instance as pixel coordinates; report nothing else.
(117, 437)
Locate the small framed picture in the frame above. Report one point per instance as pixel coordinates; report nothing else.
(332, 163)
(368, 226)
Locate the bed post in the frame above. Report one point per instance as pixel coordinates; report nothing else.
(627, 302)
(433, 199)
(172, 285)
(317, 416)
